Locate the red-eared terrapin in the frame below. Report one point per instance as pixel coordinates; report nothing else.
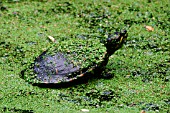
(72, 59)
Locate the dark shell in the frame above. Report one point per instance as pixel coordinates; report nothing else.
(72, 59)
(56, 68)
(66, 61)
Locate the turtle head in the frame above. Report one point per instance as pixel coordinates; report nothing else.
(115, 41)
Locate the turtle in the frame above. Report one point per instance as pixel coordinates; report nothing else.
(73, 59)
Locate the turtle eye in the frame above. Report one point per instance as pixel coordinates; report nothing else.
(124, 31)
(109, 39)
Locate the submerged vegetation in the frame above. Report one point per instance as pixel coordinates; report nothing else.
(141, 69)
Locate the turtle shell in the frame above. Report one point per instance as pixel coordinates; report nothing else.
(71, 59)
(66, 61)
